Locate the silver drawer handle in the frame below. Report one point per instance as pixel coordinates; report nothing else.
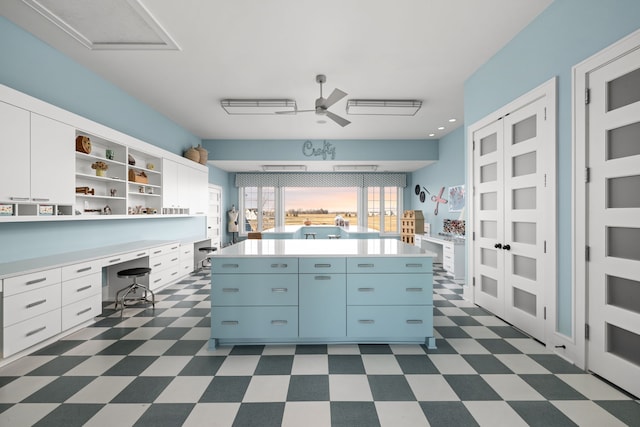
(414, 322)
(365, 265)
(84, 269)
(84, 288)
(230, 266)
(80, 313)
(40, 199)
(414, 289)
(19, 199)
(322, 265)
(34, 281)
(174, 273)
(33, 304)
(157, 252)
(141, 254)
(413, 265)
(35, 331)
(230, 322)
(279, 289)
(174, 248)
(230, 290)
(279, 265)
(366, 289)
(279, 322)
(157, 265)
(366, 321)
(174, 259)
(322, 277)
(157, 280)
(114, 260)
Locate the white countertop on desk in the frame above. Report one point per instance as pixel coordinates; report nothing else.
(294, 228)
(442, 239)
(323, 248)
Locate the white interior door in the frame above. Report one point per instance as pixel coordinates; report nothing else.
(214, 216)
(613, 222)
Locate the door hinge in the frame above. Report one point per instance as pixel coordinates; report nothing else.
(545, 246)
(587, 253)
(545, 180)
(586, 331)
(544, 313)
(473, 147)
(474, 282)
(545, 113)
(587, 96)
(587, 175)
(473, 236)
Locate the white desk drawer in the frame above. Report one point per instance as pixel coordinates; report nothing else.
(81, 311)
(82, 269)
(80, 288)
(164, 277)
(25, 334)
(26, 305)
(29, 282)
(159, 263)
(117, 259)
(163, 250)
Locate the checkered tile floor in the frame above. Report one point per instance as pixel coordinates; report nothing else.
(153, 368)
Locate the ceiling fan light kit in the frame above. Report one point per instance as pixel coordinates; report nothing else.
(383, 107)
(258, 106)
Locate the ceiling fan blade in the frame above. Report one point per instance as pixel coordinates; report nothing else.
(339, 120)
(335, 96)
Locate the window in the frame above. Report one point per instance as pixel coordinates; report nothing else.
(320, 205)
(258, 208)
(382, 208)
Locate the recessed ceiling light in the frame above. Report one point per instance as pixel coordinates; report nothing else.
(321, 122)
(441, 128)
(432, 134)
(452, 120)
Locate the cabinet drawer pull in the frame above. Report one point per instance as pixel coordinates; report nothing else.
(413, 265)
(366, 289)
(40, 199)
(279, 322)
(114, 260)
(230, 266)
(230, 290)
(414, 322)
(157, 265)
(19, 199)
(365, 265)
(84, 288)
(321, 277)
(157, 280)
(83, 269)
(34, 281)
(279, 265)
(35, 331)
(279, 289)
(367, 321)
(157, 252)
(81, 312)
(414, 289)
(141, 254)
(174, 273)
(229, 322)
(174, 259)
(174, 248)
(33, 304)
(322, 265)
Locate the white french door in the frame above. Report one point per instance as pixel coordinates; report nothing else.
(613, 221)
(214, 218)
(514, 215)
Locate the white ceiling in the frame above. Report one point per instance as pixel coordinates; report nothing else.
(371, 49)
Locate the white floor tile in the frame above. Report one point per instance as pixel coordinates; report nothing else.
(431, 388)
(587, 414)
(521, 364)
(451, 364)
(267, 388)
(96, 365)
(381, 364)
(238, 365)
(310, 364)
(212, 414)
(188, 322)
(173, 312)
(494, 414)
(24, 365)
(479, 332)
(307, 414)
(490, 321)
(343, 349)
(401, 414)
(22, 387)
(86, 333)
(143, 333)
(166, 366)
(197, 334)
(184, 390)
(133, 322)
(349, 388)
(25, 414)
(452, 311)
(528, 346)
(101, 390)
(279, 350)
(406, 349)
(443, 321)
(126, 414)
(512, 387)
(89, 348)
(467, 346)
(153, 348)
(592, 387)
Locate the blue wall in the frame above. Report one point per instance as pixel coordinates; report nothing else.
(565, 34)
(448, 171)
(32, 67)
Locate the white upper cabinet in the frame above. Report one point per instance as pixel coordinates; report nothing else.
(15, 149)
(170, 184)
(185, 187)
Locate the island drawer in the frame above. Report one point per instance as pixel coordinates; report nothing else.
(26, 305)
(397, 322)
(31, 281)
(322, 265)
(389, 265)
(82, 269)
(254, 322)
(389, 289)
(30, 332)
(256, 265)
(254, 290)
(81, 311)
(81, 288)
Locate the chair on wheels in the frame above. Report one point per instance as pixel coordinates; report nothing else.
(133, 288)
(206, 262)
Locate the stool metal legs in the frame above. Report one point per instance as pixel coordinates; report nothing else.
(133, 289)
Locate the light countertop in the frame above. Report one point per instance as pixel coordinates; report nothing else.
(323, 248)
(294, 228)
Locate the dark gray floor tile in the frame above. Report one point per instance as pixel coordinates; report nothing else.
(131, 366)
(150, 311)
(59, 390)
(204, 323)
(442, 347)
(471, 387)
(447, 414)
(307, 388)
(259, 415)
(159, 322)
(627, 411)
(486, 364)
(121, 347)
(442, 303)
(247, 350)
(58, 366)
(552, 387)
(226, 389)
(437, 312)
(475, 311)
(185, 348)
(107, 322)
(451, 296)
(465, 321)
(186, 304)
(541, 414)
(345, 364)
(556, 364)
(311, 349)
(498, 346)
(171, 333)
(114, 334)
(451, 332)
(203, 366)
(354, 414)
(375, 349)
(5, 406)
(274, 365)
(197, 312)
(507, 332)
(58, 347)
(6, 380)
(175, 297)
(390, 388)
(165, 414)
(69, 415)
(142, 390)
(416, 364)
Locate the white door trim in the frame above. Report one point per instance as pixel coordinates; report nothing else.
(579, 201)
(548, 90)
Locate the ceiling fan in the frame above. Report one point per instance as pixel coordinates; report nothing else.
(323, 104)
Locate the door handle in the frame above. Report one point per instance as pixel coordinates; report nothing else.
(498, 246)
(507, 247)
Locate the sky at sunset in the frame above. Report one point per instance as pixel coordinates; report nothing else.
(333, 199)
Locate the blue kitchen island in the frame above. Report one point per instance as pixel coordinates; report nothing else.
(321, 291)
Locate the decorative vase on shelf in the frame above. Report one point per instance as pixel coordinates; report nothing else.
(101, 172)
(204, 154)
(192, 154)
